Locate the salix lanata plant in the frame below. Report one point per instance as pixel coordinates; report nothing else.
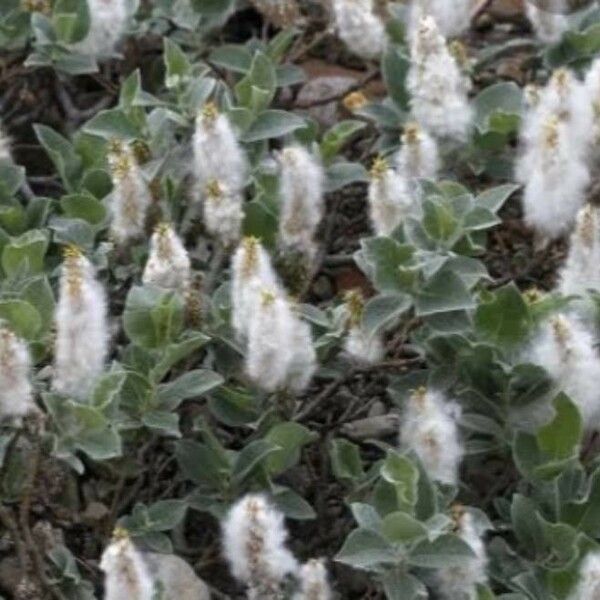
(223, 212)
(459, 583)
(429, 428)
(581, 270)
(16, 398)
(168, 265)
(302, 204)
(588, 587)
(359, 344)
(555, 178)
(130, 197)
(81, 342)
(390, 200)
(254, 538)
(438, 88)
(549, 26)
(126, 575)
(313, 582)
(217, 152)
(359, 27)
(108, 24)
(280, 353)
(418, 157)
(452, 16)
(251, 273)
(565, 348)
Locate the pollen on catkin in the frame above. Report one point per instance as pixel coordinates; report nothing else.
(429, 428)
(223, 213)
(460, 583)
(81, 344)
(390, 199)
(254, 544)
(217, 152)
(168, 265)
(302, 204)
(16, 399)
(359, 27)
(108, 24)
(313, 582)
(555, 178)
(437, 86)
(126, 575)
(280, 353)
(588, 586)
(549, 26)
(453, 16)
(581, 271)
(251, 272)
(565, 348)
(131, 196)
(418, 157)
(359, 344)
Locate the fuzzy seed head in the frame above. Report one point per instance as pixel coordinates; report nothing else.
(565, 348)
(588, 587)
(313, 582)
(168, 265)
(223, 212)
(429, 428)
(81, 344)
(418, 157)
(108, 24)
(126, 575)
(16, 399)
(302, 204)
(359, 27)
(438, 88)
(254, 538)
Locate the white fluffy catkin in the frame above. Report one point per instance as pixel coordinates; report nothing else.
(581, 270)
(126, 575)
(592, 88)
(217, 152)
(588, 587)
(359, 27)
(564, 347)
(430, 430)
(81, 344)
(251, 272)
(452, 16)
(254, 538)
(280, 353)
(302, 205)
(223, 213)
(5, 153)
(313, 582)
(390, 199)
(131, 196)
(359, 345)
(555, 178)
(437, 86)
(418, 157)
(549, 26)
(459, 583)
(168, 265)
(108, 23)
(16, 398)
